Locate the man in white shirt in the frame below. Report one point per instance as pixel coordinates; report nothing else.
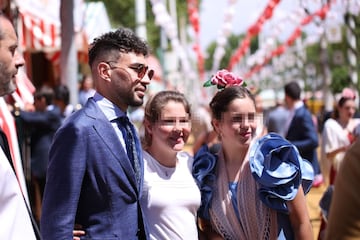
(15, 216)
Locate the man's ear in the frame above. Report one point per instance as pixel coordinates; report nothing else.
(104, 70)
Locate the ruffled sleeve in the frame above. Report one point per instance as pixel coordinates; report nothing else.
(279, 169)
(204, 174)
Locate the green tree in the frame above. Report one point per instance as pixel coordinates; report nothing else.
(340, 79)
(339, 69)
(122, 14)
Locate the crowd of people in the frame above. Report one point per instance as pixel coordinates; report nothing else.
(96, 177)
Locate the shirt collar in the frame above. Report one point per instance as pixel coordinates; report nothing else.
(298, 104)
(110, 110)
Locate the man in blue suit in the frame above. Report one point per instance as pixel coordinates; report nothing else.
(301, 130)
(91, 181)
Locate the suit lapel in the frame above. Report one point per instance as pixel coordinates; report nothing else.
(105, 131)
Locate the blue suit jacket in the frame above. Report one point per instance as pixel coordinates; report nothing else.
(42, 127)
(303, 135)
(91, 182)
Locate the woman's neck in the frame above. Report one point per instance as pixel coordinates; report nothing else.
(165, 158)
(235, 155)
(344, 122)
(234, 159)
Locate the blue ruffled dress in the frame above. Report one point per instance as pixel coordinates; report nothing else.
(275, 164)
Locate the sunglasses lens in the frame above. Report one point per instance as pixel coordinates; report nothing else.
(142, 71)
(151, 74)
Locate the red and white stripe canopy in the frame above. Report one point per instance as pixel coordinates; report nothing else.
(37, 34)
(39, 25)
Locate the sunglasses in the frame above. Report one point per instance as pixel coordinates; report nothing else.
(140, 69)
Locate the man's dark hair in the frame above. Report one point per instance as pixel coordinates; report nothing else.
(46, 92)
(123, 40)
(293, 90)
(62, 93)
(222, 99)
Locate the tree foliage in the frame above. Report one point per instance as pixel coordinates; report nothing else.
(336, 56)
(340, 79)
(122, 14)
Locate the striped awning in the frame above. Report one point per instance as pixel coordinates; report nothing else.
(37, 34)
(39, 25)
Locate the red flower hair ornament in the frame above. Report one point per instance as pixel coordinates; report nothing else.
(223, 78)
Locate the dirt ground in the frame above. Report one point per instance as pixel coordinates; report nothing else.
(313, 198)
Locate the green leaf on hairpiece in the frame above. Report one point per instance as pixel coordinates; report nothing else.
(207, 83)
(244, 84)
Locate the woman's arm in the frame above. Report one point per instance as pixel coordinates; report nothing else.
(332, 154)
(299, 216)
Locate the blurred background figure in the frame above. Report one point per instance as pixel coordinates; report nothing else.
(86, 89)
(337, 137)
(277, 118)
(136, 115)
(300, 129)
(338, 134)
(62, 100)
(260, 114)
(202, 130)
(344, 214)
(40, 126)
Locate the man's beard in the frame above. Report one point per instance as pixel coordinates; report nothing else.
(6, 84)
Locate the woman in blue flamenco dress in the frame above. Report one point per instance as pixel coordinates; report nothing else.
(253, 188)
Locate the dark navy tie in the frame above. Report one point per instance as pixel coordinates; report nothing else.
(129, 133)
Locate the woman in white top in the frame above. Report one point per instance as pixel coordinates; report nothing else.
(170, 197)
(337, 137)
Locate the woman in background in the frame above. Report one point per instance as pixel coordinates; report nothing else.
(337, 136)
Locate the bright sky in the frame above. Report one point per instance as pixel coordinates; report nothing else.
(246, 14)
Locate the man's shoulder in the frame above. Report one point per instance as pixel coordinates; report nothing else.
(302, 111)
(88, 110)
(80, 117)
(279, 111)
